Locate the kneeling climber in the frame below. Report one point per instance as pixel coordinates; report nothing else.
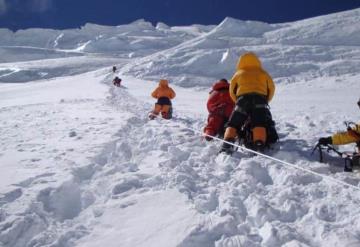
(251, 88)
(164, 94)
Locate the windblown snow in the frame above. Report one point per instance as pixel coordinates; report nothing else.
(81, 165)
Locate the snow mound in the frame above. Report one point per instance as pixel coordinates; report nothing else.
(162, 26)
(335, 29)
(231, 27)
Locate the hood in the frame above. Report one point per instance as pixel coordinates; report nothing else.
(248, 60)
(163, 83)
(220, 85)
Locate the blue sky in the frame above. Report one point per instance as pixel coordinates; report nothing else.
(61, 14)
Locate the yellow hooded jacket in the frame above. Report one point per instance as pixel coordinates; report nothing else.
(251, 78)
(347, 137)
(163, 90)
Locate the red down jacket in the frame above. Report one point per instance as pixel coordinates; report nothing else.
(220, 107)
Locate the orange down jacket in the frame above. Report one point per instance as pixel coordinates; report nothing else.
(163, 90)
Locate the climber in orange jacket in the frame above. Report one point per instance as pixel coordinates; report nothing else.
(164, 94)
(251, 88)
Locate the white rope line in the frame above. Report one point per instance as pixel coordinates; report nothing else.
(296, 167)
(325, 177)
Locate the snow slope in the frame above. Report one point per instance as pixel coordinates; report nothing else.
(303, 50)
(84, 49)
(81, 165)
(136, 39)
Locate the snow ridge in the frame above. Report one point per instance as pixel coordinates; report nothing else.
(293, 51)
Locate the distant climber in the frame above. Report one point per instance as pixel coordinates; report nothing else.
(251, 88)
(114, 69)
(117, 81)
(164, 94)
(220, 106)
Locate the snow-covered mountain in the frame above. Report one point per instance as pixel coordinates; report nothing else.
(294, 51)
(85, 49)
(81, 165)
(136, 39)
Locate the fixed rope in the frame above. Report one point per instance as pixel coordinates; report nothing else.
(331, 179)
(284, 163)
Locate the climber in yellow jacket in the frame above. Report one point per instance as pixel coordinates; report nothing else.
(341, 138)
(352, 135)
(251, 88)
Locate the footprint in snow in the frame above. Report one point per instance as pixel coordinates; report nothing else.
(72, 134)
(326, 213)
(126, 185)
(10, 196)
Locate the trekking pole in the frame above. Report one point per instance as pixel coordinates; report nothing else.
(318, 146)
(331, 148)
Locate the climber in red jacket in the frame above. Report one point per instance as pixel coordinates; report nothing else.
(220, 106)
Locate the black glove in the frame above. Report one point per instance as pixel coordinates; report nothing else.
(325, 140)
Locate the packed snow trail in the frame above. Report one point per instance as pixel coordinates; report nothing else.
(49, 131)
(61, 204)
